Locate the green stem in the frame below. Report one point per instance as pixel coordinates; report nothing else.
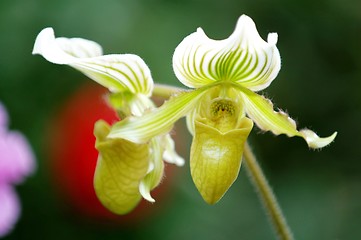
(165, 91)
(266, 195)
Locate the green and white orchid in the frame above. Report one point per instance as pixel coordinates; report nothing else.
(224, 75)
(126, 171)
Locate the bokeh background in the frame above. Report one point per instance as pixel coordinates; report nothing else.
(319, 85)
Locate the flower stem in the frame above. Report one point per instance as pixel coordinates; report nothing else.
(266, 195)
(165, 91)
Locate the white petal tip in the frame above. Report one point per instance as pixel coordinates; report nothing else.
(180, 162)
(272, 38)
(46, 46)
(246, 22)
(149, 198)
(314, 141)
(144, 191)
(200, 30)
(41, 39)
(244, 17)
(170, 155)
(174, 159)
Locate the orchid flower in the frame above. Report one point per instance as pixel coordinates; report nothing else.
(16, 163)
(125, 171)
(223, 105)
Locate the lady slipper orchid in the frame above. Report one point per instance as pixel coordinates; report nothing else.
(223, 105)
(126, 171)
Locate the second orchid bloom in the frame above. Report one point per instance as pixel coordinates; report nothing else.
(126, 171)
(222, 106)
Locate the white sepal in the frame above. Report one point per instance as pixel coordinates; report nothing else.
(117, 72)
(244, 57)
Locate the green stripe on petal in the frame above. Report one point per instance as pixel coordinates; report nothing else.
(244, 58)
(190, 120)
(121, 167)
(191, 60)
(261, 111)
(79, 47)
(117, 72)
(158, 121)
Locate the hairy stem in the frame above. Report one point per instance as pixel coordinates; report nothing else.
(266, 195)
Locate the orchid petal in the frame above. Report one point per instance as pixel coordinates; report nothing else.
(117, 72)
(121, 167)
(244, 58)
(216, 157)
(79, 47)
(158, 121)
(260, 110)
(9, 209)
(314, 141)
(17, 160)
(155, 173)
(169, 154)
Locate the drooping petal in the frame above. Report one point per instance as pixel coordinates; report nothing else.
(169, 154)
(121, 167)
(155, 172)
(244, 58)
(261, 111)
(9, 209)
(156, 122)
(117, 72)
(314, 141)
(216, 158)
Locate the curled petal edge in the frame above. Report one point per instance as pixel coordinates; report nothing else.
(260, 110)
(117, 72)
(314, 141)
(155, 171)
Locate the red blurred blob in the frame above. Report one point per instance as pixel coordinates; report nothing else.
(73, 156)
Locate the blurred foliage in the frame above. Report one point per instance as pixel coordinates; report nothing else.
(319, 85)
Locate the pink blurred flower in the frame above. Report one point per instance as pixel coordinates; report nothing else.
(16, 162)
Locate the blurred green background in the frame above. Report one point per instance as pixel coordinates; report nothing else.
(319, 85)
